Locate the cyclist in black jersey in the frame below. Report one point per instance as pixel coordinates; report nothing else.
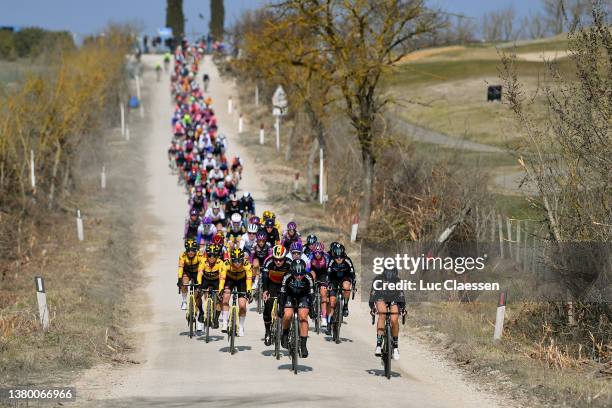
(341, 274)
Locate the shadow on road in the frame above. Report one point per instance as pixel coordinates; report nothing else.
(381, 373)
(301, 368)
(238, 348)
(211, 338)
(342, 339)
(270, 353)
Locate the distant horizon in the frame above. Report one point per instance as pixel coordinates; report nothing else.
(84, 19)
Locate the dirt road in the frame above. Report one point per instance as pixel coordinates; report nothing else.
(181, 372)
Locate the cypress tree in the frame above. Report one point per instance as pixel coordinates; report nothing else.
(175, 18)
(217, 19)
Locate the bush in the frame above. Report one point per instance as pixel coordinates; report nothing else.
(7, 45)
(28, 40)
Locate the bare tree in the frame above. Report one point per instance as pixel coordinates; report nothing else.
(554, 19)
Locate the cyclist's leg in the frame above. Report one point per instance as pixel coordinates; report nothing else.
(225, 303)
(381, 307)
(324, 303)
(394, 320)
(242, 305)
(303, 318)
(184, 288)
(346, 292)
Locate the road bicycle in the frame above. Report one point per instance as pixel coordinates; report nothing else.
(209, 312)
(387, 346)
(338, 317)
(294, 340)
(232, 323)
(191, 308)
(317, 307)
(276, 328)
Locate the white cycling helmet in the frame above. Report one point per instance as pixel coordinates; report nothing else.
(236, 217)
(246, 194)
(252, 228)
(215, 205)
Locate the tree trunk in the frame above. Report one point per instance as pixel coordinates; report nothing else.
(365, 210)
(314, 149)
(58, 154)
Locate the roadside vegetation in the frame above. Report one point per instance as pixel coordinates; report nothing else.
(554, 350)
(63, 114)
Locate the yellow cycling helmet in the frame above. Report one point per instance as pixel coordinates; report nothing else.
(237, 255)
(268, 215)
(191, 245)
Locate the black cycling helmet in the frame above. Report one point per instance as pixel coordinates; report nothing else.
(298, 267)
(390, 274)
(311, 239)
(333, 245)
(269, 223)
(338, 251)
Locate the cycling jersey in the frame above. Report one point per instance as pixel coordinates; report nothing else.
(218, 217)
(296, 292)
(240, 273)
(338, 272)
(247, 205)
(231, 209)
(272, 275)
(210, 272)
(262, 253)
(190, 266)
(319, 267)
(288, 240)
(273, 237)
(191, 228)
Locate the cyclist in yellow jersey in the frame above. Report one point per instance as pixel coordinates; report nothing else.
(208, 277)
(236, 273)
(190, 264)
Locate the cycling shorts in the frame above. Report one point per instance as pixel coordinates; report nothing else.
(239, 284)
(300, 301)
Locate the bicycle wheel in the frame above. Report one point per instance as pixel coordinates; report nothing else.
(234, 322)
(277, 338)
(208, 319)
(191, 316)
(295, 343)
(317, 312)
(338, 320)
(387, 351)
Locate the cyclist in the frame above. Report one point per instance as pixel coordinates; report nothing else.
(198, 201)
(311, 240)
(318, 269)
(341, 274)
(297, 290)
(235, 231)
(236, 273)
(233, 206)
(296, 253)
(291, 235)
(190, 264)
(260, 252)
(267, 215)
(271, 232)
(192, 223)
(247, 204)
(206, 231)
(208, 278)
(206, 81)
(273, 270)
(248, 242)
(216, 214)
(385, 300)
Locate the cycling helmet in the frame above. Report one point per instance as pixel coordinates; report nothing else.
(338, 251)
(390, 274)
(255, 220)
(212, 250)
(191, 245)
(268, 215)
(218, 239)
(311, 239)
(292, 226)
(296, 247)
(246, 194)
(198, 189)
(206, 220)
(279, 252)
(298, 267)
(193, 212)
(237, 255)
(215, 205)
(233, 196)
(318, 247)
(333, 245)
(261, 236)
(252, 228)
(269, 223)
(236, 218)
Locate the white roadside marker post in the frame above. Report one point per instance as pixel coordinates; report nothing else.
(103, 178)
(240, 124)
(229, 105)
(277, 126)
(32, 173)
(261, 134)
(321, 176)
(499, 317)
(79, 221)
(41, 297)
(354, 228)
(122, 109)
